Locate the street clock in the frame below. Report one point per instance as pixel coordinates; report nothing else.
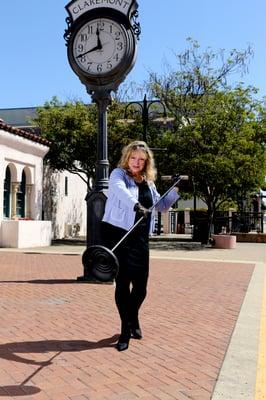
(102, 47)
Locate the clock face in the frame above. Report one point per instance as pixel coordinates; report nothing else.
(99, 46)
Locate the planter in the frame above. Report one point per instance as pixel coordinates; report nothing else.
(25, 233)
(224, 241)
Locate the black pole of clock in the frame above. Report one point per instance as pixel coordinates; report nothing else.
(97, 197)
(103, 100)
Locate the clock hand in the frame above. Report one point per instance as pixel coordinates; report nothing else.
(98, 47)
(89, 51)
(99, 43)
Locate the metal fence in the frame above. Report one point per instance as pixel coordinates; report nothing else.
(242, 222)
(223, 221)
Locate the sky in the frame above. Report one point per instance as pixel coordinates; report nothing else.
(34, 65)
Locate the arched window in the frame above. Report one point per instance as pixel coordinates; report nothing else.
(21, 197)
(7, 192)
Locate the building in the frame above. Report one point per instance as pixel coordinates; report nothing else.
(61, 198)
(21, 181)
(64, 203)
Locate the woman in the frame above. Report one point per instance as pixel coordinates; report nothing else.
(131, 193)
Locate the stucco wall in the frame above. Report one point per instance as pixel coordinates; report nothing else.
(22, 154)
(22, 234)
(67, 211)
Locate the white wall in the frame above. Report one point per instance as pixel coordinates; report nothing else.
(65, 210)
(20, 153)
(48, 189)
(23, 153)
(21, 234)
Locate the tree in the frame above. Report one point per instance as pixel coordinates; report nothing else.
(218, 137)
(222, 149)
(72, 129)
(199, 74)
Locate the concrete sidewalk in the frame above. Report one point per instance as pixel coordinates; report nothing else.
(254, 252)
(203, 325)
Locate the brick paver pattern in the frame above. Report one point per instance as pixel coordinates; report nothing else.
(57, 335)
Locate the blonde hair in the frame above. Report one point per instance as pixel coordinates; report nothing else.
(149, 170)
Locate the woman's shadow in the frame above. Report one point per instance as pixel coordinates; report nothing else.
(15, 352)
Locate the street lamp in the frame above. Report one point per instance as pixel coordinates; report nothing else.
(144, 107)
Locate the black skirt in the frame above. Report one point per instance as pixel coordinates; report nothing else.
(133, 252)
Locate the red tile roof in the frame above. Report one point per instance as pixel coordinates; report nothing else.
(21, 132)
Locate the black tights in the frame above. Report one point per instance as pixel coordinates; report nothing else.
(131, 282)
(130, 292)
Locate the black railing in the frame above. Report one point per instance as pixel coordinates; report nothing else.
(223, 222)
(247, 222)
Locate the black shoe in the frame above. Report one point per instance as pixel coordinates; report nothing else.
(135, 328)
(136, 333)
(123, 340)
(121, 346)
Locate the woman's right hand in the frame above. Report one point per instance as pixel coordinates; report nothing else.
(141, 210)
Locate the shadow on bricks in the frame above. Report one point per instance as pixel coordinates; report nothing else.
(10, 351)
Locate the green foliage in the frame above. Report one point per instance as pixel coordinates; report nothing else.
(221, 149)
(71, 129)
(219, 132)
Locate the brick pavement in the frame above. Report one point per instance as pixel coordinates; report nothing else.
(57, 336)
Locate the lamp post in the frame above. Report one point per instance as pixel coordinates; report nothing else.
(144, 107)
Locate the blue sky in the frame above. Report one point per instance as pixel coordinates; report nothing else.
(34, 65)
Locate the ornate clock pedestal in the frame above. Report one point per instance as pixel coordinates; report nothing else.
(101, 49)
(97, 197)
